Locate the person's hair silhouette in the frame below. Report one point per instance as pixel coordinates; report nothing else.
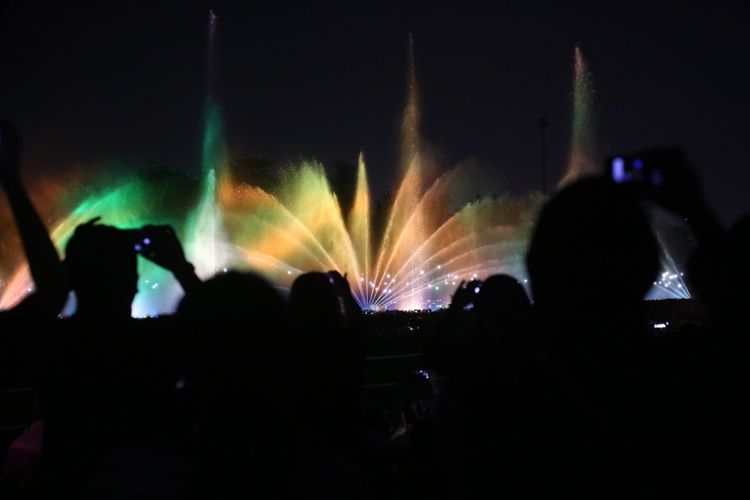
(592, 251)
(501, 304)
(102, 270)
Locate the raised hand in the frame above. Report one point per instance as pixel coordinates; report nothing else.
(679, 189)
(341, 284)
(160, 245)
(464, 294)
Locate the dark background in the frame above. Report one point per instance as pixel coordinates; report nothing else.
(126, 81)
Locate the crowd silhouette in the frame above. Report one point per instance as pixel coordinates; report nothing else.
(243, 393)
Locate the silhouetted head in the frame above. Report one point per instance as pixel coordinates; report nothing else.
(593, 250)
(502, 303)
(235, 325)
(234, 310)
(314, 303)
(103, 271)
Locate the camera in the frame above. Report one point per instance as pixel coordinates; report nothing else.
(634, 170)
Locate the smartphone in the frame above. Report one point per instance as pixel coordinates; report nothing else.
(141, 241)
(634, 170)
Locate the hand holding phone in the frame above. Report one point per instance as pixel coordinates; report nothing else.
(466, 294)
(663, 176)
(160, 245)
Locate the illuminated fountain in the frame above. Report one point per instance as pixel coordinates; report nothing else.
(434, 236)
(427, 246)
(206, 240)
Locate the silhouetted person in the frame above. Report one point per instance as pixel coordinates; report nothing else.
(447, 346)
(486, 357)
(591, 260)
(237, 371)
(109, 383)
(328, 352)
(19, 349)
(621, 409)
(502, 311)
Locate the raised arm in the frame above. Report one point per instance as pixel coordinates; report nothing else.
(44, 263)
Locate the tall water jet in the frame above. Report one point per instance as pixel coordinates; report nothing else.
(410, 139)
(206, 242)
(360, 228)
(405, 228)
(582, 156)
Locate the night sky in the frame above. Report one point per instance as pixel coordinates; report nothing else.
(126, 81)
